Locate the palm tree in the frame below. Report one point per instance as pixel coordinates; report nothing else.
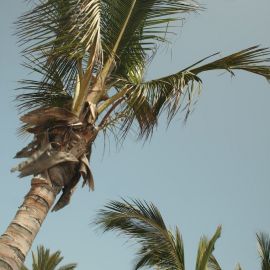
(44, 260)
(89, 58)
(160, 248)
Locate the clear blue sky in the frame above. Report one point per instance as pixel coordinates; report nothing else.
(213, 170)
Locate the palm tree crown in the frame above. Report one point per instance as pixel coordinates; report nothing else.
(90, 57)
(45, 260)
(96, 52)
(160, 247)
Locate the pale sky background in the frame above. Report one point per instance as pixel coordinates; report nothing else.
(213, 170)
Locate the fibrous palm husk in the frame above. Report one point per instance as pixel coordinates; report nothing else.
(60, 147)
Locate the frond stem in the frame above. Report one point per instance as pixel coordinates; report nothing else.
(84, 84)
(110, 101)
(95, 96)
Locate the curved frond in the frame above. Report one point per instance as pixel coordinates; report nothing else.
(61, 27)
(53, 87)
(205, 250)
(131, 30)
(145, 101)
(254, 59)
(264, 250)
(179, 248)
(148, 99)
(143, 223)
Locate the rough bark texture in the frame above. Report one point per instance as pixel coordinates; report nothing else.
(20, 234)
(58, 157)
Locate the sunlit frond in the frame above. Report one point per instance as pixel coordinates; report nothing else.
(205, 250)
(179, 248)
(132, 30)
(143, 223)
(58, 27)
(60, 36)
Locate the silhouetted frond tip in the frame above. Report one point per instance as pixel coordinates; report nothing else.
(254, 59)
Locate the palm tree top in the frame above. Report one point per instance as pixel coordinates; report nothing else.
(96, 52)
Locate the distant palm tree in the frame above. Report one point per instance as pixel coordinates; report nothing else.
(160, 248)
(44, 260)
(89, 59)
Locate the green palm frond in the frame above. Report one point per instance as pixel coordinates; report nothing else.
(143, 223)
(53, 86)
(131, 30)
(44, 260)
(140, 112)
(61, 27)
(179, 248)
(254, 59)
(171, 92)
(62, 36)
(205, 250)
(264, 250)
(89, 49)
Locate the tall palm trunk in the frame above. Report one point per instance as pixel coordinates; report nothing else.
(20, 234)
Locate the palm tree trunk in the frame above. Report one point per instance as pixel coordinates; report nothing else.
(52, 173)
(20, 234)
